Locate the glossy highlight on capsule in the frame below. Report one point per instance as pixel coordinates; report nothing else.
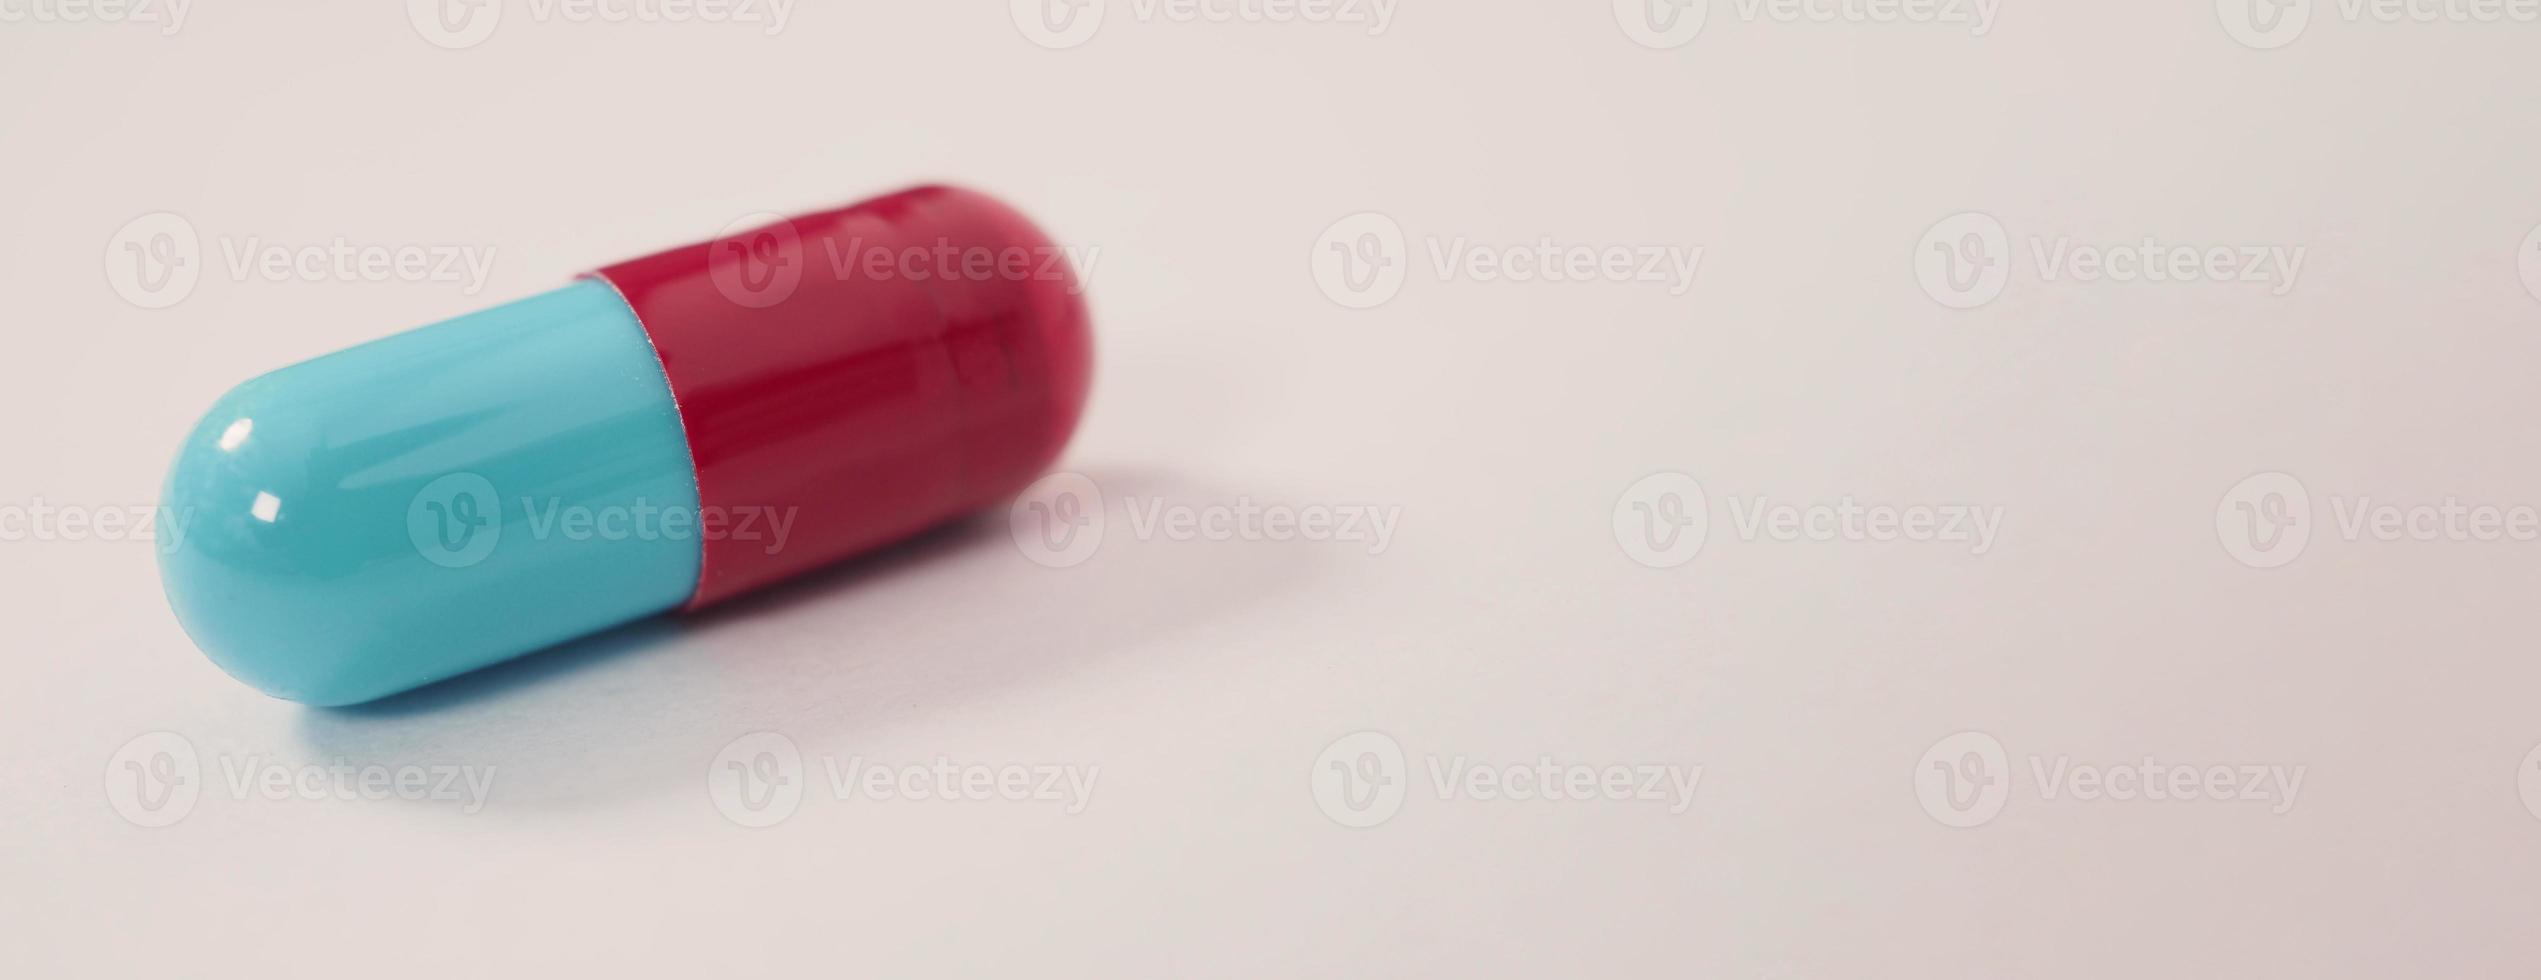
(662, 434)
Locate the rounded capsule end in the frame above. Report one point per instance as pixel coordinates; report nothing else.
(433, 502)
(247, 573)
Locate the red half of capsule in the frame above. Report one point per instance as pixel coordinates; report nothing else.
(866, 372)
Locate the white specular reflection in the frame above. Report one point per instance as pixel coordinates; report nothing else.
(237, 433)
(266, 507)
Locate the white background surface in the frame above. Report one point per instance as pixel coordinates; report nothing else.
(1199, 684)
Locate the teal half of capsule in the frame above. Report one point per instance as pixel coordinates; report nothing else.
(435, 501)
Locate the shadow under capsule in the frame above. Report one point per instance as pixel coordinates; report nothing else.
(933, 624)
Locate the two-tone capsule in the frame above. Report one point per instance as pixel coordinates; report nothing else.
(664, 433)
